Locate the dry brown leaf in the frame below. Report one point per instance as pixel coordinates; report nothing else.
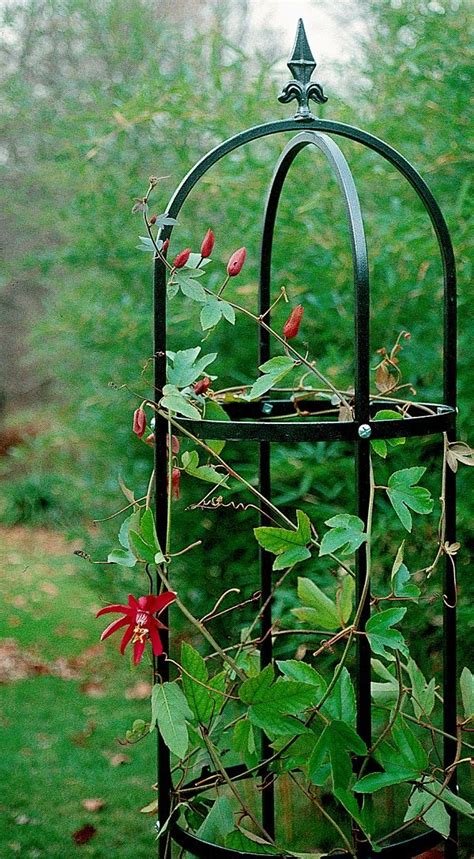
(93, 804)
(83, 835)
(139, 691)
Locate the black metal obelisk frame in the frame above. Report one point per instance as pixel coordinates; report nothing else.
(248, 421)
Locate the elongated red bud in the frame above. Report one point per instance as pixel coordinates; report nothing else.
(139, 422)
(292, 324)
(234, 266)
(202, 386)
(166, 245)
(153, 219)
(182, 258)
(207, 244)
(175, 479)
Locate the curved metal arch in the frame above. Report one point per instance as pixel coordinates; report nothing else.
(393, 157)
(360, 263)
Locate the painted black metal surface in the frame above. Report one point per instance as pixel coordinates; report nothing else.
(264, 422)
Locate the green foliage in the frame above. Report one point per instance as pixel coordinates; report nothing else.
(381, 635)
(289, 546)
(346, 532)
(403, 494)
(170, 711)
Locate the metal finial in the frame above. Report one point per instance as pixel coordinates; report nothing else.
(302, 65)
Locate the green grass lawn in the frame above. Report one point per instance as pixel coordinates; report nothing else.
(60, 726)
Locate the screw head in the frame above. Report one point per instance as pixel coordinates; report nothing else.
(267, 408)
(364, 431)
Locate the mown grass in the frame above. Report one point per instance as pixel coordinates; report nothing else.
(59, 736)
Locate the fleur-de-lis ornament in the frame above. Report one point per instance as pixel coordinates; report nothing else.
(302, 65)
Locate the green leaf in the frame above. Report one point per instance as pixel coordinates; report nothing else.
(197, 695)
(148, 530)
(285, 698)
(292, 556)
(236, 840)
(277, 364)
(141, 550)
(345, 598)
(211, 314)
(341, 702)
(423, 693)
(467, 692)
(376, 781)
(325, 613)
(272, 704)
(170, 711)
(243, 743)
(404, 494)
(304, 673)
(173, 401)
(132, 521)
(214, 412)
(228, 312)
(254, 690)
(410, 749)
(345, 531)
(381, 635)
(281, 541)
(218, 823)
(185, 367)
(400, 578)
(274, 371)
(381, 445)
(190, 462)
(188, 285)
(146, 244)
(124, 557)
(433, 812)
(337, 740)
(452, 799)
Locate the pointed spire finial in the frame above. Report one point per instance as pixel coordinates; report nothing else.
(302, 65)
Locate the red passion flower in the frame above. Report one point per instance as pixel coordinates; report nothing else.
(140, 622)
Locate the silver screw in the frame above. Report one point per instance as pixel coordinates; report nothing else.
(364, 431)
(267, 408)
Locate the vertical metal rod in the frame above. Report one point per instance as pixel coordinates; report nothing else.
(450, 655)
(265, 559)
(449, 590)
(160, 666)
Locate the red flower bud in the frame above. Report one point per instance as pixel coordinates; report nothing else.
(175, 479)
(234, 266)
(150, 440)
(207, 244)
(202, 386)
(174, 443)
(166, 245)
(406, 335)
(153, 219)
(292, 324)
(182, 258)
(139, 422)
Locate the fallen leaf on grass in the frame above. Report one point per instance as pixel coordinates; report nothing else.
(94, 690)
(83, 835)
(80, 739)
(118, 759)
(93, 804)
(139, 691)
(151, 808)
(49, 588)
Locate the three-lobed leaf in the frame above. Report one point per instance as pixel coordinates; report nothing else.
(345, 531)
(381, 634)
(404, 494)
(290, 546)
